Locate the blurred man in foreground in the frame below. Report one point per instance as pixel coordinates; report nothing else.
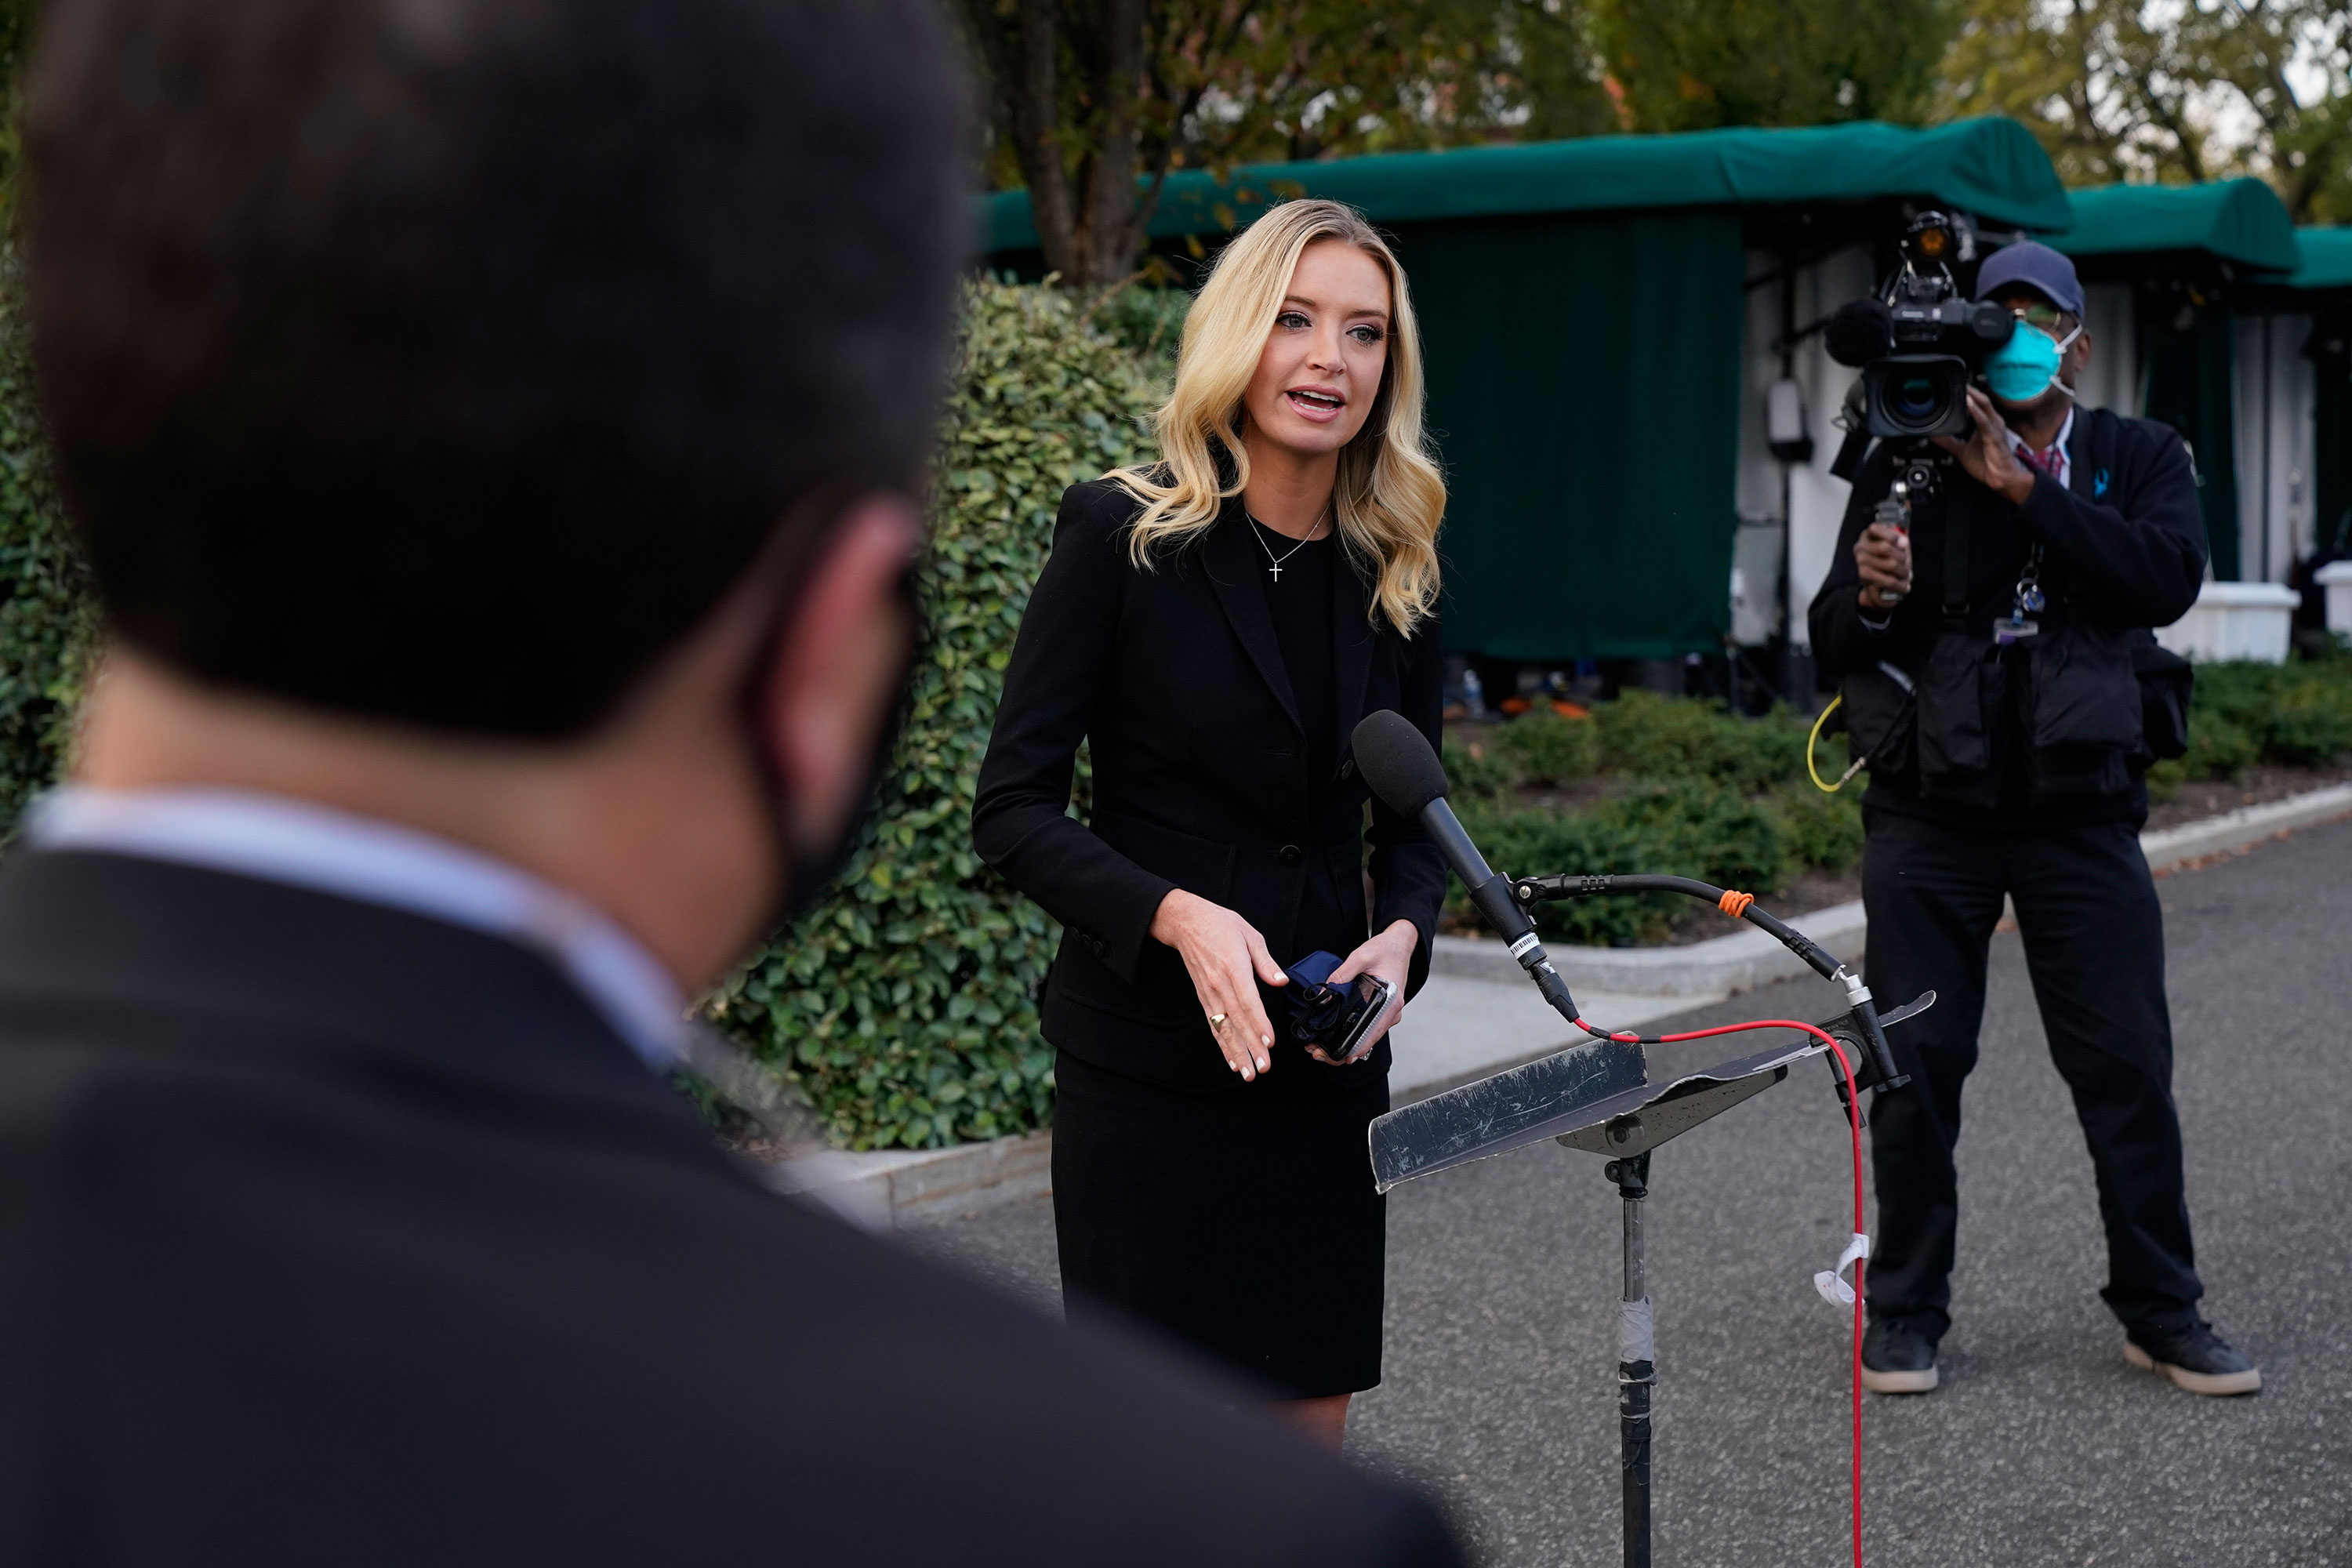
(492, 427)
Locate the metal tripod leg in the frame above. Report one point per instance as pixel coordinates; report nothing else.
(1637, 1371)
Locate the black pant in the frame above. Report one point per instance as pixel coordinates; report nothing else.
(2094, 947)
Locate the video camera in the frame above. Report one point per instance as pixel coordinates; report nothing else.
(1918, 343)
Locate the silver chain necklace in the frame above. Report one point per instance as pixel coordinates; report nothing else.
(1270, 555)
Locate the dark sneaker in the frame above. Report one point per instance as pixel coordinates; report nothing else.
(1897, 1360)
(2196, 1358)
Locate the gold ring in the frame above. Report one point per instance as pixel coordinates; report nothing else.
(1216, 1020)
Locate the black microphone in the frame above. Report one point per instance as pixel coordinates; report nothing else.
(1402, 768)
(1859, 332)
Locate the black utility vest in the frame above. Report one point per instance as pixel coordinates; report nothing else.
(2077, 710)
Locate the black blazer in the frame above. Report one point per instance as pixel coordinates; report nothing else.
(1173, 678)
(331, 1234)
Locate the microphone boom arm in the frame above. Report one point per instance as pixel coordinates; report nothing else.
(1528, 891)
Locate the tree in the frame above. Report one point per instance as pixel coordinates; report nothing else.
(2177, 91)
(1694, 65)
(15, 51)
(1091, 103)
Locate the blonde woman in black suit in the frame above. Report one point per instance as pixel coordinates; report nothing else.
(1212, 627)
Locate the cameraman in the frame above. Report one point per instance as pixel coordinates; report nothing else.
(2007, 757)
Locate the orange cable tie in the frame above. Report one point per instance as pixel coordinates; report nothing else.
(1735, 903)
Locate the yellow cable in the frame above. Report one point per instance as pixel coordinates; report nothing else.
(1816, 735)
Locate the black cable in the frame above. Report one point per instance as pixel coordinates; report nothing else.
(1529, 891)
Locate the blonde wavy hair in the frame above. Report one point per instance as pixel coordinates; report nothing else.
(1390, 496)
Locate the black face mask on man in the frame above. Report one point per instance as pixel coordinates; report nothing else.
(808, 872)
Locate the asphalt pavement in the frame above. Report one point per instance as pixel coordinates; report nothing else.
(2041, 1447)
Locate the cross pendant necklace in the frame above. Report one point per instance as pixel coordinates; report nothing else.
(1270, 555)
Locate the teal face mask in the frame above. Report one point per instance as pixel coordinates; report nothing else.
(2023, 368)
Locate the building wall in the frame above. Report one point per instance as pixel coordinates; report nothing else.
(2110, 314)
(1770, 493)
(2275, 398)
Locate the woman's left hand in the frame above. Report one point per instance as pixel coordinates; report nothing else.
(1388, 957)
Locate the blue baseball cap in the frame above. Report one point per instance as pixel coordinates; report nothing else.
(2036, 266)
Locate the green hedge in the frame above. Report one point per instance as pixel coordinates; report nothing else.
(1706, 794)
(48, 631)
(2293, 715)
(906, 1006)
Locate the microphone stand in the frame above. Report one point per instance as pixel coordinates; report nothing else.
(1596, 1097)
(1637, 1369)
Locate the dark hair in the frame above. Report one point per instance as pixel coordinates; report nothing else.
(448, 361)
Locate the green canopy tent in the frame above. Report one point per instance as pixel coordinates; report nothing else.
(1585, 308)
(2325, 257)
(2185, 253)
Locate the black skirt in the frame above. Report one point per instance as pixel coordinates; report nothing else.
(1243, 1224)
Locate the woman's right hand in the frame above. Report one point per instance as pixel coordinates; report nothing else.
(1225, 957)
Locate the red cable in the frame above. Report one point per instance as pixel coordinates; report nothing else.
(1853, 1124)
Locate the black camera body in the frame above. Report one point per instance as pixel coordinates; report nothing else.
(1920, 344)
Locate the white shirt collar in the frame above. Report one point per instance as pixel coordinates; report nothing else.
(278, 839)
(2065, 474)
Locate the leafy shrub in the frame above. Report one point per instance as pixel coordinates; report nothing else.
(1687, 828)
(1148, 321)
(2219, 747)
(1551, 749)
(1646, 735)
(2296, 715)
(1534, 842)
(1475, 769)
(905, 1006)
(1820, 831)
(48, 628)
(2310, 721)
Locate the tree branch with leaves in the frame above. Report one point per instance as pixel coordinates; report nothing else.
(1092, 103)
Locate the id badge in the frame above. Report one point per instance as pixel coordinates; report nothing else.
(2013, 628)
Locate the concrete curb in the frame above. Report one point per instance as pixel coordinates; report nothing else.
(897, 1187)
(2248, 826)
(1720, 967)
(891, 1187)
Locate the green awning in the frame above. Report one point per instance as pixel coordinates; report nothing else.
(2238, 220)
(1990, 167)
(2326, 258)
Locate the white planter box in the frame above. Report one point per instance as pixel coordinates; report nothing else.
(2236, 620)
(2337, 578)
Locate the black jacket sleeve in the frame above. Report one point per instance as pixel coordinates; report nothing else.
(1408, 869)
(1020, 815)
(2139, 562)
(1842, 642)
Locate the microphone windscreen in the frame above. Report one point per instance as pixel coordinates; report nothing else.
(1398, 762)
(1860, 332)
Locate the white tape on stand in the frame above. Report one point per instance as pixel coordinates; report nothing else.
(1636, 1335)
(1830, 1282)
